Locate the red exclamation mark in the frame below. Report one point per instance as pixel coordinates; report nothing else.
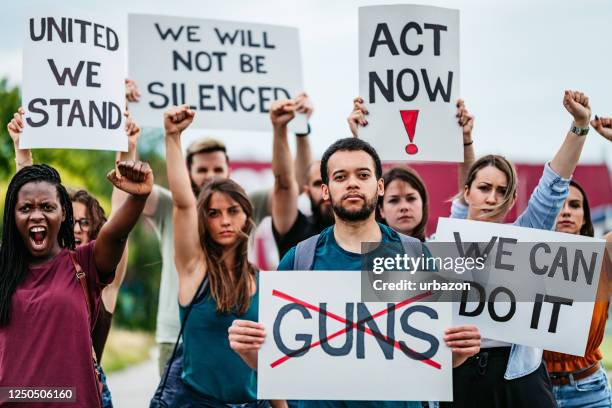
(409, 117)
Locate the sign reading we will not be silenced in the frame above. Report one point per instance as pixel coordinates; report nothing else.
(324, 343)
(538, 288)
(409, 80)
(228, 72)
(73, 82)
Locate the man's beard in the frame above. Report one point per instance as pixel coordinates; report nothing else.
(361, 214)
(322, 213)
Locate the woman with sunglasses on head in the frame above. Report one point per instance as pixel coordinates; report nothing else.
(582, 381)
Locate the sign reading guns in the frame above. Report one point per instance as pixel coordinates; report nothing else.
(323, 343)
(229, 72)
(538, 287)
(73, 82)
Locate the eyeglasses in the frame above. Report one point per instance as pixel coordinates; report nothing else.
(83, 223)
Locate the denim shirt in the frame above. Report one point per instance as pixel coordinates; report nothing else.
(544, 204)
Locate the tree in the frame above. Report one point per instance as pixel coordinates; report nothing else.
(9, 103)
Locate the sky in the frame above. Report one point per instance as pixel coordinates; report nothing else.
(516, 59)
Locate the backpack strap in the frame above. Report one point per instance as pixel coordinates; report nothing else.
(412, 246)
(202, 291)
(82, 278)
(305, 253)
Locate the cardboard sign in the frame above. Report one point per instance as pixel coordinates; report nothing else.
(73, 81)
(322, 343)
(538, 289)
(228, 72)
(409, 80)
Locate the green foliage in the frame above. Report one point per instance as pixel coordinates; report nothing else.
(137, 301)
(9, 103)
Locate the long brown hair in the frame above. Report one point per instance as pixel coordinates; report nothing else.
(587, 228)
(411, 177)
(506, 167)
(231, 290)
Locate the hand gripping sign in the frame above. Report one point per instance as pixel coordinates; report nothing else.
(409, 79)
(323, 343)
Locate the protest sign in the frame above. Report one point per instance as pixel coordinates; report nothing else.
(228, 72)
(409, 80)
(323, 343)
(538, 288)
(73, 81)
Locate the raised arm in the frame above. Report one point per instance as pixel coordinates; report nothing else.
(285, 192)
(303, 153)
(136, 179)
(553, 187)
(187, 250)
(23, 157)
(466, 121)
(565, 161)
(109, 294)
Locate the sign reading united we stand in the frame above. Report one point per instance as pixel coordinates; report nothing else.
(409, 80)
(74, 68)
(323, 343)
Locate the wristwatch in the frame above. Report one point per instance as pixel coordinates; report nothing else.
(577, 130)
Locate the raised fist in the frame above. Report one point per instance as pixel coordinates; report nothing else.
(133, 177)
(577, 104)
(603, 126)
(282, 112)
(177, 119)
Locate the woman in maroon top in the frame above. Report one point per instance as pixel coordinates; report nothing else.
(44, 321)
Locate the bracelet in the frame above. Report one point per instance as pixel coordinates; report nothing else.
(468, 143)
(304, 134)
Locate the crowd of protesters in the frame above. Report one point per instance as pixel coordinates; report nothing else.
(62, 261)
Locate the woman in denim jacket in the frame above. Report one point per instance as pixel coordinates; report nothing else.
(503, 374)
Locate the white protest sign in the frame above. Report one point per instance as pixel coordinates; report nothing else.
(550, 277)
(73, 81)
(409, 80)
(313, 349)
(228, 72)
